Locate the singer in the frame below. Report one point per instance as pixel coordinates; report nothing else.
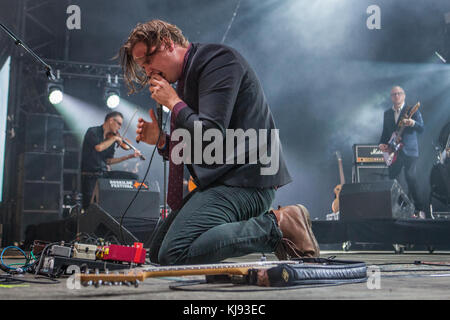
(229, 214)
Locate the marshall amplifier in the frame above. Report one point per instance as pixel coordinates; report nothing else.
(367, 154)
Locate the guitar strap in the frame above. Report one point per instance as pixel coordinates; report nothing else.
(311, 271)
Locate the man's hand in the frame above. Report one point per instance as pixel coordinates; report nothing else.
(118, 139)
(383, 147)
(148, 132)
(136, 154)
(408, 122)
(162, 92)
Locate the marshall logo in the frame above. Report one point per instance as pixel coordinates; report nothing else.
(376, 151)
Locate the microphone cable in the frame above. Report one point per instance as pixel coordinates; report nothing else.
(161, 132)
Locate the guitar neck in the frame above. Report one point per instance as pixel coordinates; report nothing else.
(176, 271)
(211, 269)
(408, 115)
(341, 171)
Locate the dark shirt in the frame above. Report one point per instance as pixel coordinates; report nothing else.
(223, 92)
(92, 160)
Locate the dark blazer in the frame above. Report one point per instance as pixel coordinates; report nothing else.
(223, 92)
(409, 137)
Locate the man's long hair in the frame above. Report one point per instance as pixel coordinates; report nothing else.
(153, 33)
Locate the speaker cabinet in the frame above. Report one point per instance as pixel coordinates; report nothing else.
(111, 199)
(371, 173)
(42, 177)
(46, 227)
(39, 196)
(39, 166)
(99, 223)
(44, 133)
(375, 200)
(39, 190)
(115, 195)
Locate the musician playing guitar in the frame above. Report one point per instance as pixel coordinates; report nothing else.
(408, 155)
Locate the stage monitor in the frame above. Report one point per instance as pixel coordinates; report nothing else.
(4, 92)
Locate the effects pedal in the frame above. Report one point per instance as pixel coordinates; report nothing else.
(135, 254)
(84, 251)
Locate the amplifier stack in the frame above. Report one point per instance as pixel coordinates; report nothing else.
(368, 164)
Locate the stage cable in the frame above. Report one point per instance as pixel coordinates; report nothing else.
(161, 133)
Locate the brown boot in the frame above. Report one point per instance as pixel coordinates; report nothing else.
(298, 238)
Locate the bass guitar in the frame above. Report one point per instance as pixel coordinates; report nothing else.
(338, 188)
(395, 142)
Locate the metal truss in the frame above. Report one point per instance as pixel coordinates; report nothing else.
(69, 69)
(38, 32)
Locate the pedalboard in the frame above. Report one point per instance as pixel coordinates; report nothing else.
(59, 257)
(58, 265)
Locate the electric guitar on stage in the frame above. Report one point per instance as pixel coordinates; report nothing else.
(135, 276)
(338, 188)
(304, 270)
(395, 143)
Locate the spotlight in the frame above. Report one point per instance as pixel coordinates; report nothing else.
(55, 89)
(112, 92)
(113, 100)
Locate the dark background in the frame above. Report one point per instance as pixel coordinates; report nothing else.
(326, 75)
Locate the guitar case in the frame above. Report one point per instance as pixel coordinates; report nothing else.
(312, 271)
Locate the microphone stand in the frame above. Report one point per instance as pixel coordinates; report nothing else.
(18, 42)
(159, 114)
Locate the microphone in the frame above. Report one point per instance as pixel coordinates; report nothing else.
(159, 115)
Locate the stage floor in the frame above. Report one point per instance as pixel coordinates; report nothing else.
(399, 278)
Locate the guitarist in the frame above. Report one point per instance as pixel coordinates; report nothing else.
(408, 155)
(444, 165)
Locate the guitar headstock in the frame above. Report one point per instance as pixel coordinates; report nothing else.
(108, 279)
(414, 109)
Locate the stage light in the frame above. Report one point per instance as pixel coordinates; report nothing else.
(55, 89)
(112, 92)
(113, 100)
(55, 96)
